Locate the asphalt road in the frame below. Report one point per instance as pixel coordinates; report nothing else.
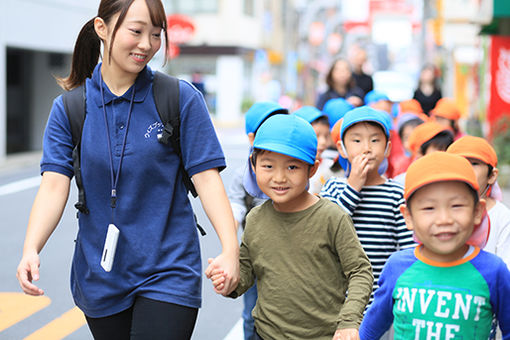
(53, 316)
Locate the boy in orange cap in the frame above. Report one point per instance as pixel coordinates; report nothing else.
(448, 114)
(444, 288)
(424, 139)
(484, 160)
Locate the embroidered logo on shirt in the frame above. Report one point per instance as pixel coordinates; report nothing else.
(156, 126)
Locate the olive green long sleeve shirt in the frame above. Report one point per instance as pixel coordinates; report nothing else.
(304, 263)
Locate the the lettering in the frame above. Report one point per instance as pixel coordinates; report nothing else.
(479, 302)
(435, 330)
(461, 305)
(419, 325)
(442, 298)
(424, 304)
(434, 334)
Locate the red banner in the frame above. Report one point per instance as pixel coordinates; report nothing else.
(499, 103)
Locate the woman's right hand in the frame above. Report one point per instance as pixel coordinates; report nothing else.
(28, 271)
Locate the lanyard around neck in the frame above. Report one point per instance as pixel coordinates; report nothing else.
(114, 177)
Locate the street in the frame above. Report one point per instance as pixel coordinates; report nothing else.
(54, 316)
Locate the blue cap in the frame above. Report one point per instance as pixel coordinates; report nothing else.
(309, 113)
(259, 112)
(366, 114)
(375, 96)
(335, 109)
(288, 135)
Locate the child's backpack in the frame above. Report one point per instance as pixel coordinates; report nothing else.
(166, 97)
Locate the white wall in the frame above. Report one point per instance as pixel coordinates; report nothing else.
(46, 25)
(229, 27)
(40, 25)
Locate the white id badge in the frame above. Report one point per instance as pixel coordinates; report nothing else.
(110, 245)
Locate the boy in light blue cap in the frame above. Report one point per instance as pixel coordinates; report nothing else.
(244, 194)
(369, 198)
(302, 249)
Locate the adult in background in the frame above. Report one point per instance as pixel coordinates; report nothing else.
(358, 59)
(341, 84)
(131, 181)
(428, 92)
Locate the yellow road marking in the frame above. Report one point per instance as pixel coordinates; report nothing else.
(15, 307)
(61, 327)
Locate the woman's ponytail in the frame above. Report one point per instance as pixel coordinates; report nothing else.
(85, 57)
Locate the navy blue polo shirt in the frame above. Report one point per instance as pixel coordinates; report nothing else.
(158, 254)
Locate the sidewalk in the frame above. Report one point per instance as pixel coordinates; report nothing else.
(19, 161)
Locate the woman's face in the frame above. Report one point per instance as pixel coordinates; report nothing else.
(136, 40)
(427, 75)
(341, 74)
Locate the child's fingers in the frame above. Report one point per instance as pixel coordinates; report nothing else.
(220, 280)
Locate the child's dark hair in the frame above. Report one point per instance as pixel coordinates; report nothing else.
(369, 123)
(412, 122)
(441, 141)
(472, 191)
(321, 120)
(88, 44)
(257, 152)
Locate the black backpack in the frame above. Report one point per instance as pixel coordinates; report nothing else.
(166, 97)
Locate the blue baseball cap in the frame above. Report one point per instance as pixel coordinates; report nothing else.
(335, 109)
(366, 114)
(259, 112)
(375, 96)
(289, 135)
(310, 113)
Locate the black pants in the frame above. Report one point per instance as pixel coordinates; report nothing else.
(146, 319)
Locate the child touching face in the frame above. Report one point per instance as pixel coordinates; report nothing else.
(445, 288)
(370, 199)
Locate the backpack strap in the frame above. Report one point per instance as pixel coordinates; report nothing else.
(75, 107)
(166, 97)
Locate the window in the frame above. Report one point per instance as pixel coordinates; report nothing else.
(192, 6)
(249, 7)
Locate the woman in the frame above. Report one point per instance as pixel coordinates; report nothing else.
(341, 84)
(428, 92)
(154, 287)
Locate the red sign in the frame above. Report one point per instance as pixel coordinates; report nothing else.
(180, 28)
(499, 103)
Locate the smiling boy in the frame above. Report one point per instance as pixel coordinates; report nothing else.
(301, 249)
(445, 288)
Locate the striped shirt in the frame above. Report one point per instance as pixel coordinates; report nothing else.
(375, 212)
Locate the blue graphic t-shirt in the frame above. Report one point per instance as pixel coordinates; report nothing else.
(431, 300)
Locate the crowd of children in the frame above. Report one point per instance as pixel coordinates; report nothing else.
(383, 201)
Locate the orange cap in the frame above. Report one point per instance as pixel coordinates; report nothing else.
(335, 131)
(438, 166)
(423, 133)
(474, 147)
(446, 108)
(410, 105)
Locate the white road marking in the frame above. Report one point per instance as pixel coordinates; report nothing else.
(24, 184)
(236, 333)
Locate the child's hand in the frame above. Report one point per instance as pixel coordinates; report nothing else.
(346, 334)
(220, 279)
(359, 171)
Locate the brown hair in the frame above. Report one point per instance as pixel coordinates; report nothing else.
(88, 44)
(329, 76)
